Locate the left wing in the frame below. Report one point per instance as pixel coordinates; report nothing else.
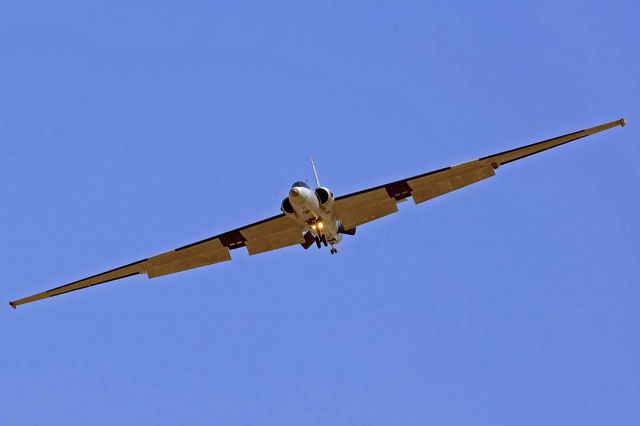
(269, 234)
(364, 206)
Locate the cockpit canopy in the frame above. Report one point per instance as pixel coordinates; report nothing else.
(300, 184)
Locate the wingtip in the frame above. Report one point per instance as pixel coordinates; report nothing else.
(12, 304)
(623, 122)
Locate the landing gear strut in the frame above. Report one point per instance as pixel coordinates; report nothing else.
(322, 239)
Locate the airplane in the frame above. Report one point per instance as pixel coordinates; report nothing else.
(314, 216)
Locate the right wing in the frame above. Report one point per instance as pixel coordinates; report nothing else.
(270, 234)
(370, 204)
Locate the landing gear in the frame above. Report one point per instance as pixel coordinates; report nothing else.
(322, 239)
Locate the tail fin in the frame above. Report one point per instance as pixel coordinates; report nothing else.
(315, 172)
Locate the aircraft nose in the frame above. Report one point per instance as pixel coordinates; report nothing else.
(294, 192)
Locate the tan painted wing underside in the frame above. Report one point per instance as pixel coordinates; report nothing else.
(270, 234)
(353, 210)
(364, 206)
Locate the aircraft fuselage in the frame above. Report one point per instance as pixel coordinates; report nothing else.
(317, 218)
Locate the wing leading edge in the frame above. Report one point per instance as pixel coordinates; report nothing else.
(364, 206)
(353, 210)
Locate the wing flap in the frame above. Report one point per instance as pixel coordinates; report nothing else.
(357, 200)
(356, 214)
(375, 211)
(432, 186)
(288, 237)
(275, 226)
(194, 257)
(275, 234)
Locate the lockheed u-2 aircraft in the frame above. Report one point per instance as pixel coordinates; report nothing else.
(317, 217)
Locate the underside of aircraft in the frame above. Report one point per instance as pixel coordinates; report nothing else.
(315, 217)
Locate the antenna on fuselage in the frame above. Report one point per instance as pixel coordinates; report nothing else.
(315, 172)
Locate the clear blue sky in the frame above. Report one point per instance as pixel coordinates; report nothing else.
(131, 128)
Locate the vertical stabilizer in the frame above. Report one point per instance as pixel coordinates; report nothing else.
(315, 173)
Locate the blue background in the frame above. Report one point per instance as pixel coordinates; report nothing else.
(131, 128)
